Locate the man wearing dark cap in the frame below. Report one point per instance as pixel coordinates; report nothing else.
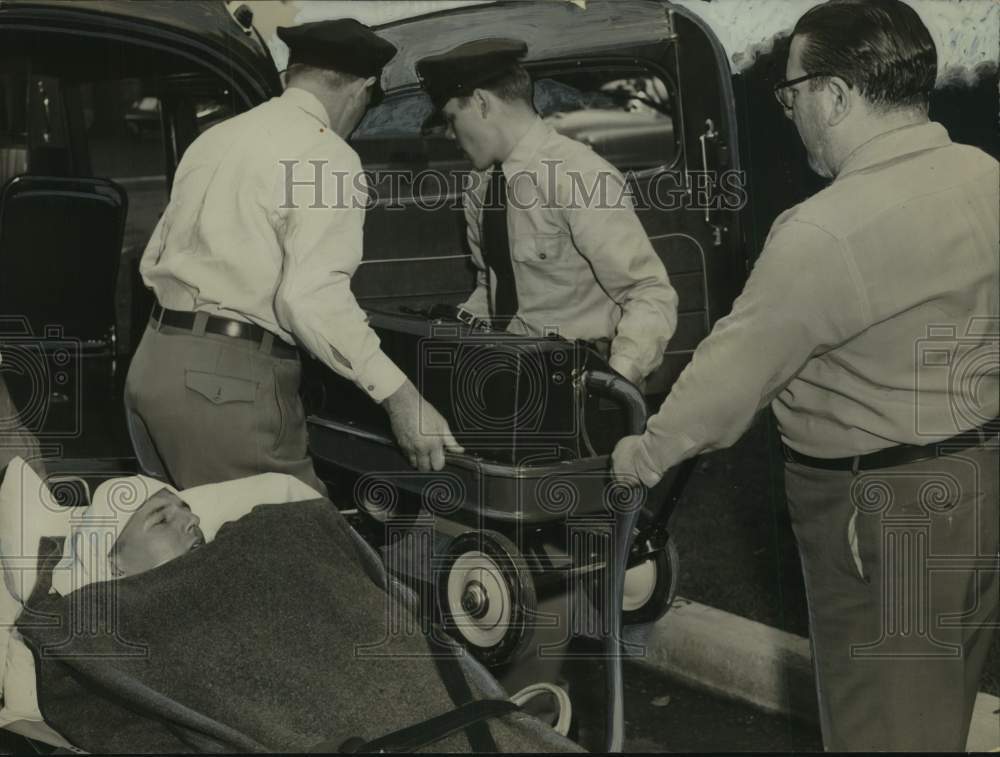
(253, 256)
(551, 257)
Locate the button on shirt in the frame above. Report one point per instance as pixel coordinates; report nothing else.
(870, 319)
(264, 225)
(582, 271)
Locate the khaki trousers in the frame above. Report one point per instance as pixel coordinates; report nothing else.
(903, 583)
(216, 408)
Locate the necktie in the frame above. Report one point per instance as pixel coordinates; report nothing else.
(496, 246)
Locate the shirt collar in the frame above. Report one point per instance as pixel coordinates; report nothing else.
(895, 144)
(308, 102)
(520, 157)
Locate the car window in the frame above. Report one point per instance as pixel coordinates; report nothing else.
(124, 131)
(81, 104)
(391, 137)
(396, 116)
(124, 134)
(211, 111)
(13, 126)
(624, 115)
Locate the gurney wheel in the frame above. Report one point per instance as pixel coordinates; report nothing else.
(651, 586)
(487, 595)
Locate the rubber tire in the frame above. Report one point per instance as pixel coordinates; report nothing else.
(520, 585)
(667, 565)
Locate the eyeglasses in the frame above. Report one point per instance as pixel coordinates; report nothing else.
(786, 96)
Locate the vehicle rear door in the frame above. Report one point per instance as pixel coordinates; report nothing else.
(644, 83)
(105, 94)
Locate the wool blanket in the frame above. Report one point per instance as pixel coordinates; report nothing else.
(278, 635)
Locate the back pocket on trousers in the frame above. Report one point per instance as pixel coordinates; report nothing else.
(220, 389)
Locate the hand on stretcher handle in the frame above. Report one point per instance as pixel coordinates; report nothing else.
(614, 387)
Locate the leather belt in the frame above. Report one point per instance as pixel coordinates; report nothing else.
(224, 327)
(900, 454)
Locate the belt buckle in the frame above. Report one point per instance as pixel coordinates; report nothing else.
(232, 329)
(471, 320)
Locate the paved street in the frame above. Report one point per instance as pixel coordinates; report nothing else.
(664, 716)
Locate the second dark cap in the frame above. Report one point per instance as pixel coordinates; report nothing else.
(464, 68)
(342, 44)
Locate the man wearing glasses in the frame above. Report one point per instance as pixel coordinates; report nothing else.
(254, 256)
(870, 326)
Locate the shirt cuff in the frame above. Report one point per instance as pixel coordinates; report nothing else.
(380, 377)
(645, 469)
(669, 452)
(626, 366)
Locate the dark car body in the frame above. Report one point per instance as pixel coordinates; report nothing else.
(100, 98)
(63, 117)
(710, 157)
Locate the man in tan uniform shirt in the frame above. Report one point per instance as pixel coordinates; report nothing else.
(253, 255)
(870, 326)
(571, 257)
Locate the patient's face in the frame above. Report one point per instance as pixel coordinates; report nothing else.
(161, 529)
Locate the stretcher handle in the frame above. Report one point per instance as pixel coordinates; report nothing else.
(615, 387)
(621, 545)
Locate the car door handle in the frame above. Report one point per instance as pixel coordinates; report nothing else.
(709, 133)
(46, 113)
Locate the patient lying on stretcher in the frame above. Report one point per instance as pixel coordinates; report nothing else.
(273, 632)
(163, 528)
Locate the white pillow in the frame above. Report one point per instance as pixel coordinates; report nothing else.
(27, 512)
(9, 610)
(93, 531)
(20, 694)
(216, 504)
(114, 501)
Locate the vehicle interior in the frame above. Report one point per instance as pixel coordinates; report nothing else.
(90, 133)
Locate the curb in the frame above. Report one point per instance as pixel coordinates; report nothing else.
(761, 666)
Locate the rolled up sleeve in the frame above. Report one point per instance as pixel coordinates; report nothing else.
(801, 299)
(322, 249)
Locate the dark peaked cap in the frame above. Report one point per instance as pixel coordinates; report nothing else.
(474, 64)
(343, 45)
